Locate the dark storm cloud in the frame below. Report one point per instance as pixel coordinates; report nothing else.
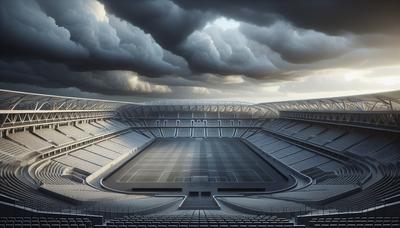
(26, 31)
(227, 52)
(334, 17)
(168, 23)
(79, 34)
(53, 75)
(298, 45)
(176, 47)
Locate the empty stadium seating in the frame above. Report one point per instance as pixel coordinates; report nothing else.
(61, 166)
(294, 156)
(355, 222)
(53, 136)
(45, 222)
(11, 150)
(74, 132)
(200, 221)
(30, 141)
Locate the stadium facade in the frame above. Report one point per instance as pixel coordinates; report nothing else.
(74, 162)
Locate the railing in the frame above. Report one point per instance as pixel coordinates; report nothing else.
(384, 120)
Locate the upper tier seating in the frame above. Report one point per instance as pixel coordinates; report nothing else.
(199, 132)
(327, 136)
(291, 155)
(381, 146)
(168, 132)
(226, 115)
(185, 123)
(199, 123)
(12, 149)
(115, 146)
(211, 114)
(6, 158)
(183, 132)
(346, 141)
(226, 123)
(240, 131)
(91, 129)
(116, 123)
(212, 123)
(91, 157)
(169, 123)
(227, 132)
(30, 141)
(152, 123)
(156, 132)
(372, 144)
(54, 136)
(131, 140)
(213, 132)
(103, 151)
(74, 132)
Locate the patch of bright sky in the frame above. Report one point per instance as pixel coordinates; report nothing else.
(99, 11)
(223, 23)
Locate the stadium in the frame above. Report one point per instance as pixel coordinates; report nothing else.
(74, 162)
(197, 114)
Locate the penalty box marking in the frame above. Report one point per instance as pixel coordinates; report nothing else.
(164, 175)
(133, 175)
(128, 174)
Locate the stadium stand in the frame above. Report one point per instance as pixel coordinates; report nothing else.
(12, 149)
(44, 222)
(30, 141)
(201, 221)
(306, 157)
(54, 173)
(53, 136)
(74, 132)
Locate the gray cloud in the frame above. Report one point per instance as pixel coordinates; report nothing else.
(54, 75)
(28, 31)
(332, 17)
(168, 23)
(214, 50)
(174, 48)
(298, 45)
(83, 35)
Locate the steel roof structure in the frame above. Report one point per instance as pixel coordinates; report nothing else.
(387, 101)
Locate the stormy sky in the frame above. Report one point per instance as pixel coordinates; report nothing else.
(185, 49)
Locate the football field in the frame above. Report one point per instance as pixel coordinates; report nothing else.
(191, 161)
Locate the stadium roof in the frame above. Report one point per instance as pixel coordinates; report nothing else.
(15, 100)
(386, 101)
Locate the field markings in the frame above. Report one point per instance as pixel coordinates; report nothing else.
(167, 156)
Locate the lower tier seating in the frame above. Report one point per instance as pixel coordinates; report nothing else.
(374, 195)
(200, 221)
(354, 222)
(45, 222)
(52, 172)
(291, 155)
(381, 146)
(12, 186)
